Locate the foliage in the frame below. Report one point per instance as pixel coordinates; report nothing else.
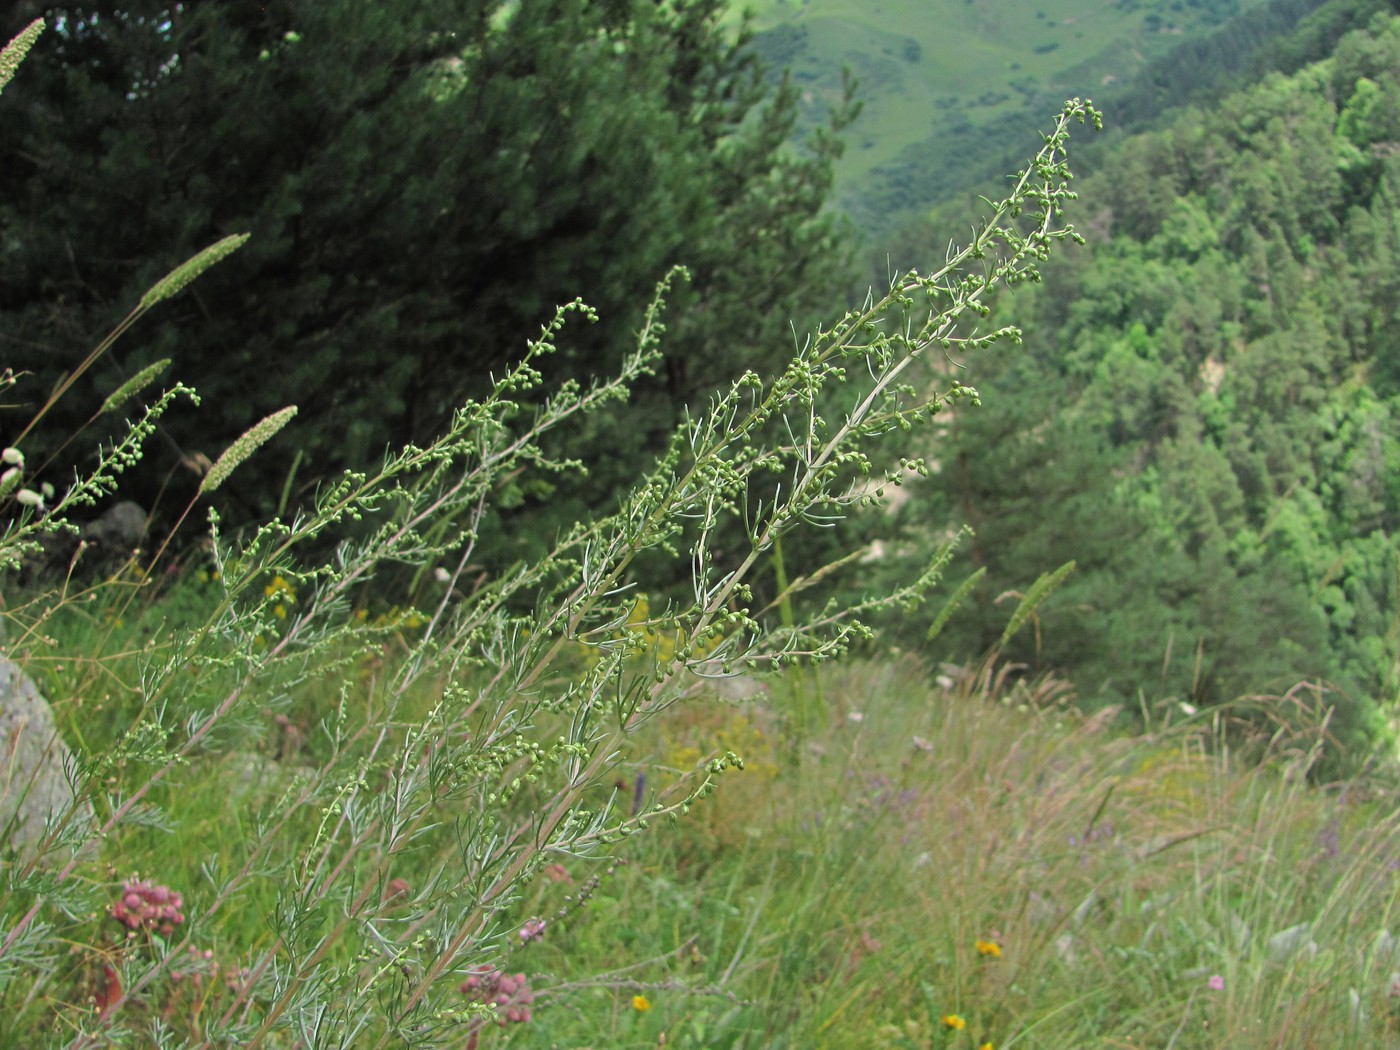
(1280, 36)
(360, 802)
(422, 184)
(1205, 423)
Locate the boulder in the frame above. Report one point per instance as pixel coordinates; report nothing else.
(105, 544)
(33, 785)
(118, 531)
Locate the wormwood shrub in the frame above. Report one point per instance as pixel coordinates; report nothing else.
(315, 827)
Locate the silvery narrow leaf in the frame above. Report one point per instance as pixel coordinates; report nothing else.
(1085, 907)
(1386, 949)
(1158, 902)
(1285, 944)
(1154, 930)
(1240, 929)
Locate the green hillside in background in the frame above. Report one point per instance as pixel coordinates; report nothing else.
(944, 82)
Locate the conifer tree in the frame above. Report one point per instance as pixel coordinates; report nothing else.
(422, 184)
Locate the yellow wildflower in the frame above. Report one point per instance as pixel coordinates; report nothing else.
(280, 588)
(641, 1003)
(989, 948)
(954, 1022)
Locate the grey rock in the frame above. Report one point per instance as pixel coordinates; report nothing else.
(33, 784)
(119, 529)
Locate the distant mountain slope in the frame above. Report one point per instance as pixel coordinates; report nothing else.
(1280, 36)
(952, 88)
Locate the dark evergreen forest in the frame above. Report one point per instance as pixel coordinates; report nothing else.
(423, 184)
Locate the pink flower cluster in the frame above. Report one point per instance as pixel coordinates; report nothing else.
(146, 906)
(510, 995)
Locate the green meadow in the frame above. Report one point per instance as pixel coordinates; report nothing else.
(949, 858)
(942, 80)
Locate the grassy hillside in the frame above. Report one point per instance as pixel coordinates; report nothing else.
(967, 865)
(969, 868)
(945, 81)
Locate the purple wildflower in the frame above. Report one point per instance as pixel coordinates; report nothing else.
(509, 993)
(146, 906)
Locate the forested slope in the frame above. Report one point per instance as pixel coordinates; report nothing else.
(1280, 36)
(1205, 419)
